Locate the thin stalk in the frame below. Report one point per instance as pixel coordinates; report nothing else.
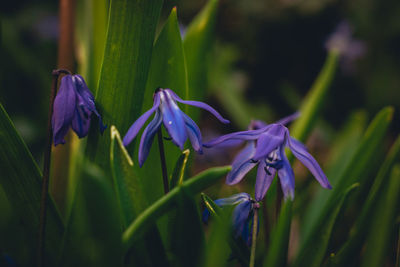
(46, 169)
(278, 204)
(254, 239)
(162, 161)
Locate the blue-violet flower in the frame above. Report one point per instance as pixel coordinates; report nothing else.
(73, 107)
(266, 147)
(178, 125)
(242, 218)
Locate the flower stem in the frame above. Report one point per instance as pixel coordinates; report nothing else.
(46, 169)
(162, 160)
(279, 196)
(254, 239)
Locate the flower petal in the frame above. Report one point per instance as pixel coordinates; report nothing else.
(301, 154)
(232, 200)
(264, 180)
(242, 135)
(286, 177)
(173, 119)
(289, 118)
(193, 131)
(138, 124)
(241, 165)
(148, 136)
(240, 215)
(271, 139)
(199, 105)
(63, 110)
(81, 121)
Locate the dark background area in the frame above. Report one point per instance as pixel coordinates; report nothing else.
(279, 49)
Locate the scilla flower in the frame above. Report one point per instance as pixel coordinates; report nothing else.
(179, 126)
(266, 148)
(242, 218)
(73, 107)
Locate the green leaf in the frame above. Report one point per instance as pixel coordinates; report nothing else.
(384, 229)
(197, 43)
(224, 220)
(217, 250)
(92, 237)
(21, 180)
(354, 172)
(315, 99)
(132, 200)
(361, 227)
(179, 170)
(343, 150)
(313, 253)
(187, 229)
(277, 252)
(164, 204)
(167, 70)
(125, 67)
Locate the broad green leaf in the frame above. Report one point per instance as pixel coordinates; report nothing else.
(354, 172)
(93, 231)
(167, 70)
(313, 253)
(187, 229)
(361, 227)
(315, 99)
(21, 181)
(179, 170)
(224, 220)
(383, 226)
(197, 43)
(125, 67)
(277, 252)
(132, 201)
(217, 250)
(164, 204)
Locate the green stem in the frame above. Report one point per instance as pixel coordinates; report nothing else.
(163, 162)
(46, 169)
(254, 239)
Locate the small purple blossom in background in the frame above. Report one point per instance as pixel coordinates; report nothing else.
(242, 218)
(179, 126)
(349, 48)
(73, 107)
(266, 147)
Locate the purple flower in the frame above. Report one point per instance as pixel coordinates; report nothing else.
(242, 218)
(73, 107)
(349, 48)
(266, 147)
(179, 126)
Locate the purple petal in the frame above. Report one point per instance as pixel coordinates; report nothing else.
(241, 165)
(289, 118)
(286, 177)
(81, 121)
(270, 140)
(199, 105)
(148, 136)
(301, 154)
(173, 119)
(240, 215)
(63, 110)
(138, 124)
(242, 135)
(232, 200)
(264, 180)
(193, 131)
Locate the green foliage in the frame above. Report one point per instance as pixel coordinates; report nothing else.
(21, 181)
